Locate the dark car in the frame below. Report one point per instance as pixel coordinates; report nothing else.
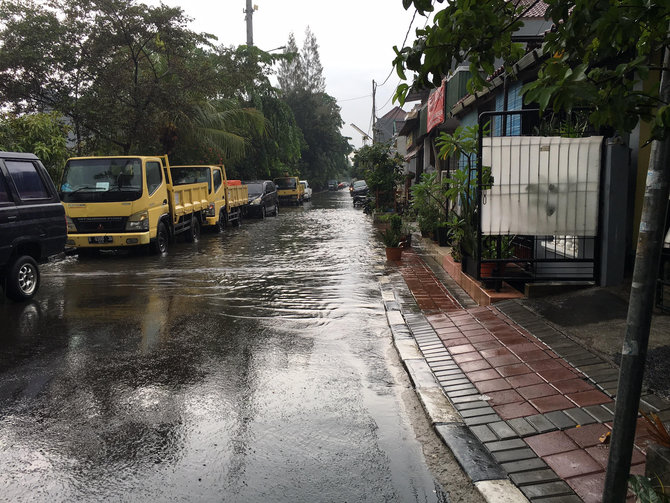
(332, 184)
(32, 223)
(359, 188)
(262, 198)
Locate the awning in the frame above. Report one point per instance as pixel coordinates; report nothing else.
(412, 152)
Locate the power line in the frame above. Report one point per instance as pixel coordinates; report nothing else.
(353, 99)
(403, 44)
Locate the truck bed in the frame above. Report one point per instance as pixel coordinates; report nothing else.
(236, 195)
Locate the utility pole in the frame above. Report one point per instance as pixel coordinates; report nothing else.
(634, 352)
(249, 12)
(374, 112)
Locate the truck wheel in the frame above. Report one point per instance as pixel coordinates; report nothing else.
(23, 279)
(221, 223)
(238, 221)
(193, 233)
(160, 245)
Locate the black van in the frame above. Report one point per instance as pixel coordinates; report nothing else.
(32, 223)
(262, 198)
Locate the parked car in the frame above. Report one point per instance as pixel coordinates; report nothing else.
(262, 198)
(332, 184)
(358, 188)
(308, 190)
(32, 223)
(342, 185)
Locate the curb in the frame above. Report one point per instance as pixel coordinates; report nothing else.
(474, 458)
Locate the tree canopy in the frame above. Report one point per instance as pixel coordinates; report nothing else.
(595, 56)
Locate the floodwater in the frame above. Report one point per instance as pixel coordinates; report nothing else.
(253, 366)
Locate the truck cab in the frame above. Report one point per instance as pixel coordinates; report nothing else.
(290, 190)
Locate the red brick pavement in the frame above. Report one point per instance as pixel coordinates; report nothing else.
(521, 376)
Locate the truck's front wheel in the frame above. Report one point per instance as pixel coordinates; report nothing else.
(221, 224)
(160, 245)
(23, 279)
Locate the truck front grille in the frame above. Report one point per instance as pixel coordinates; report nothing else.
(92, 225)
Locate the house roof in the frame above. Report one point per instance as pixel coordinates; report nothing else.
(536, 10)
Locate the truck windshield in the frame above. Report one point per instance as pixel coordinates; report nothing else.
(184, 175)
(286, 183)
(101, 180)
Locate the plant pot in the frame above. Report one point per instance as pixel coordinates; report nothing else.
(393, 254)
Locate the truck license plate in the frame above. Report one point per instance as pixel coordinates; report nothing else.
(99, 240)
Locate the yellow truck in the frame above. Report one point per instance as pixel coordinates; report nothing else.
(290, 190)
(129, 201)
(227, 198)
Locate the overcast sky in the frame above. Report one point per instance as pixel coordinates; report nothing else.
(355, 37)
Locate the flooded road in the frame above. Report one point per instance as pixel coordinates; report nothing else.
(255, 365)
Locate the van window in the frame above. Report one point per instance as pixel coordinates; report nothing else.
(217, 179)
(154, 176)
(4, 195)
(28, 182)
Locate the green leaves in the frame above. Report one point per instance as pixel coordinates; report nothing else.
(645, 492)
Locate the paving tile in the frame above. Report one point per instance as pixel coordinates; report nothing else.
(546, 365)
(524, 465)
(560, 419)
(579, 416)
(499, 361)
(476, 404)
(589, 487)
(534, 477)
(513, 370)
(483, 411)
(566, 498)
(556, 375)
(587, 436)
(536, 391)
(572, 386)
(467, 357)
(464, 348)
(548, 444)
(502, 430)
(483, 433)
(485, 344)
(559, 488)
(483, 375)
(522, 427)
(474, 365)
(515, 410)
(534, 356)
(450, 372)
(450, 387)
(586, 398)
(522, 380)
(462, 393)
(551, 403)
(473, 397)
(506, 445)
(540, 423)
(501, 351)
(492, 385)
(572, 463)
(513, 455)
(474, 421)
(503, 397)
(600, 413)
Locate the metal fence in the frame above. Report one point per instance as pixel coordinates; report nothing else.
(538, 220)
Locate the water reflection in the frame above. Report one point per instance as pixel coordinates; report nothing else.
(251, 366)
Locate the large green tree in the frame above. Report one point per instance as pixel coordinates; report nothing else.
(121, 72)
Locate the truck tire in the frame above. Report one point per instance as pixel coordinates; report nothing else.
(238, 221)
(223, 220)
(160, 244)
(193, 233)
(23, 279)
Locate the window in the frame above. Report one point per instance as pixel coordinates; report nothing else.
(28, 182)
(217, 179)
(154, 176)
(4, 195)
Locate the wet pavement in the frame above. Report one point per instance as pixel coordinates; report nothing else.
(255, 365)
(539, 403)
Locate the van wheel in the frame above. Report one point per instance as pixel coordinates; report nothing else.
(263, 212)
(193, 233)
(275, 213)
(160, 245)
(23, 279)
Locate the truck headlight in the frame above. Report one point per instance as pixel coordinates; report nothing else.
(210, 211)
(138, 222)
(71, 228)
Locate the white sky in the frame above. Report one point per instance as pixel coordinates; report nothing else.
(355, 37)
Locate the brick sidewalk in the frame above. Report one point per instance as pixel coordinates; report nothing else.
(540, 417)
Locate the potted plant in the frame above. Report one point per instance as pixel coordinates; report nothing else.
(394, 237)
(495, 247)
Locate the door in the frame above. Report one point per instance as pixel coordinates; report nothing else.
(157, 191)
(8, 220)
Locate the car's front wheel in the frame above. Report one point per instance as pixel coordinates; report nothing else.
(23, 279)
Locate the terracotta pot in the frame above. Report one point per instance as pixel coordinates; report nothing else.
(393, 254)
(488, 268)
